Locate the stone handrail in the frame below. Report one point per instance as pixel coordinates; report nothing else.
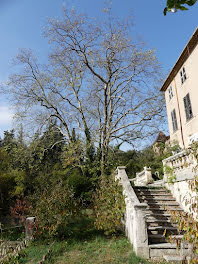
(135, 216)
(181, 165)
(179, 172)
(144, 177)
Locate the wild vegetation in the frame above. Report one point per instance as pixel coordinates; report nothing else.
(55, 183)
(97, 91)
(97, 250)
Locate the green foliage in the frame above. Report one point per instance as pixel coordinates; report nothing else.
(174, 5)
(80, 174)
(129, 159)
(79, 182)
(170, 172)
(109, 206)
(139, 159)
(12, 177)
(54, 208)
(13, 233)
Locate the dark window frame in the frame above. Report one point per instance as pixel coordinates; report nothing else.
(183, 75)
(174, 120)
(170, 93)
(188, 107)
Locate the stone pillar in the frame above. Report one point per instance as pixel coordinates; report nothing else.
(29, 227)
(165, 178)
(140, 231)
(148, 175)
(129, 220)
(120, 170)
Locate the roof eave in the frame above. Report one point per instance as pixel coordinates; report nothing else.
(181, 60)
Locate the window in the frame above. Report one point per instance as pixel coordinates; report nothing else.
(183, 75)
(174, 120)
(170, 93)
(188, 108)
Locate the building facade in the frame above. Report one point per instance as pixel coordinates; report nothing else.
(181, 93)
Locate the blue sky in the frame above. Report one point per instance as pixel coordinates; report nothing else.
(22, 23)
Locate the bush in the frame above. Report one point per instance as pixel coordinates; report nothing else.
(54, 209)
(109, 206)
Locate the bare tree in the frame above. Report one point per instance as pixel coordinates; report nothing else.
(98, 80)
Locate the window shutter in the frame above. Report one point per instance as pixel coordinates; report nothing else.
(187, 106)
(174, 120)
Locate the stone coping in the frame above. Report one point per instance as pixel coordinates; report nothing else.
(127, 188)
(176, 156)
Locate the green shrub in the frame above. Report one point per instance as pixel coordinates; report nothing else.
(109, 206)
(54, 208)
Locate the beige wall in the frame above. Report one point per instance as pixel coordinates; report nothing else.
(189, 86)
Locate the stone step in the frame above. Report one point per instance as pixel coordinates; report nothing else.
(164, 208)
(162, 214)
(146, 193)
(159, 202)
(152, 198)
(158, 213)
(150, 220)
(158, 194)
(158, 183)
(173, 258)
(162, 228)
(165, 224)
(154, 230)
(151, 190)
(153, 217)
(147, 187)
(166, 221)
(157, 238)
(162, 249)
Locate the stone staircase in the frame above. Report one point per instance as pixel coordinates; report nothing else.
(160, 202)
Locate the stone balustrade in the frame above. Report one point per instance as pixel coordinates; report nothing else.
(179, 171)
(181, 165)
(135, 216)
(144, 177)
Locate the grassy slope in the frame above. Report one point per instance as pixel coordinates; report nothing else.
(97, 250)
(87, 245)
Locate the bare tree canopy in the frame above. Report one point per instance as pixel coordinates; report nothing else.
(98, 80)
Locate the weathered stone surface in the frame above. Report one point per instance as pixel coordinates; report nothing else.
(29, 227)
(143, 178)
(135, 224)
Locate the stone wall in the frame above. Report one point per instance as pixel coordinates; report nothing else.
(135, 216)
(181, 167)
